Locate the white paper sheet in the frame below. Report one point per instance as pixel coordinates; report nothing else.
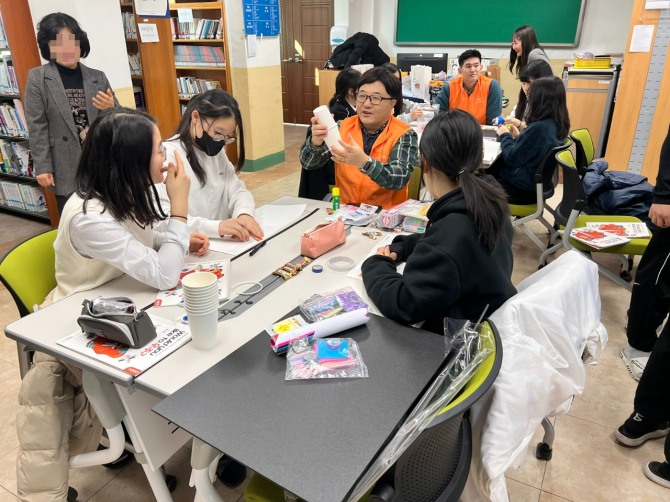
(642, 38)
(271, 218)
(148, 32)
(185, 15)
(656, 5)
(355, 273)
(151, 7)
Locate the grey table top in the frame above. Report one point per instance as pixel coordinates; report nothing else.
(313, 437)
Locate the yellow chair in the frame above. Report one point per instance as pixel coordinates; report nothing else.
(436, 464)
(568, 216)
(545, 181)
(414, 184)
(29, 273)
(584, 148)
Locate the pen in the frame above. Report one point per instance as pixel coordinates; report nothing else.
(257, 247)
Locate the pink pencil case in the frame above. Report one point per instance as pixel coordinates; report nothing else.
(322, 239)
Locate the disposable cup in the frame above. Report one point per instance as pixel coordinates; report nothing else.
(198, 280)
(201, 310)
(203, 330)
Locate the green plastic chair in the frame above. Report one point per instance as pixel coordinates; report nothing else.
(414, 184)
(584, 148)
(436, 465)
(545, 181)
(568, 216)
(28, 271)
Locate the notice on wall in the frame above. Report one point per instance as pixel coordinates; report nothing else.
(643, 35)
(148, 32)
(649, 4)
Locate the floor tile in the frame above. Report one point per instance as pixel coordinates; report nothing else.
(519, 492)
(6, 496)
(589, 466)
(531, 472)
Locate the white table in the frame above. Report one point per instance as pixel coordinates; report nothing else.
(151, 435)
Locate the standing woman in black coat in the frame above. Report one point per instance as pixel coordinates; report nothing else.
(462, 265)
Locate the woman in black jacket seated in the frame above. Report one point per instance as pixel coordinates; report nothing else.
(463, 263)
(343, 102)
(521, 153)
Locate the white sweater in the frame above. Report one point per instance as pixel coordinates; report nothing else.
(224, 195)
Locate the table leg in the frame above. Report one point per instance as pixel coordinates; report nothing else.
(202, 457)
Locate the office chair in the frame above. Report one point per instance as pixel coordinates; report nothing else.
(568, 216)
(28, 271)
(545, 181)
(584, 148)
(436, 465)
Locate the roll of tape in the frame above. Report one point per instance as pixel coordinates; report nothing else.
(317, 269)
(341, 263)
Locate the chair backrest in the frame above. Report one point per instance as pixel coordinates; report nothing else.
(29, 271)
(573, 191)
(414, 185)
(546, 171)
(584, 148)
(436, 465)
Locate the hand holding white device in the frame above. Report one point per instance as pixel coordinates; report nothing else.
(323, 115)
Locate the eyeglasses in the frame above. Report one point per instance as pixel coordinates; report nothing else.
(375, 100)
(163, 151)
(227, 140)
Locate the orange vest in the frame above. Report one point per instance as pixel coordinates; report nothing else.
(475, 103)
(355, 186)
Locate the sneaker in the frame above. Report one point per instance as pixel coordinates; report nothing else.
(635, 361)
(72, 494)
(636, 430)
(658, 472)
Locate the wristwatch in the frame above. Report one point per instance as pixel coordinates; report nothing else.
(366, 165)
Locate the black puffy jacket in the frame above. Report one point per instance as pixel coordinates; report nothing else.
(361, 48)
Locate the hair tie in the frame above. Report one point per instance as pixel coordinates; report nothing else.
(461, 172)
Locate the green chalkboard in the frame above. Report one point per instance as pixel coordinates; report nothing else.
(486, 22)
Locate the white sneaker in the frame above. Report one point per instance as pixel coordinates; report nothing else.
(635, 361)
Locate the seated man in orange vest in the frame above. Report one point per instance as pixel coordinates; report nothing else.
(471, 91)
(377, 152)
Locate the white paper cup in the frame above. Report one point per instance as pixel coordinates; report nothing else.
(198, 280)
(203, 330)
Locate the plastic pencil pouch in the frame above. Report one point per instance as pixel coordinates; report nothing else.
(322, 238)
(117, 319)
(327, 358)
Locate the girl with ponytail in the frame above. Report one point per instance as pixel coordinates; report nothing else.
(463, 263)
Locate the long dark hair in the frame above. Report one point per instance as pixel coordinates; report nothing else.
(346, 81)
(390, 82)
(531, 72)
(212, 104)
(452, 144)
(115, 163)
(546, 99)
(526, 34)
(49, 27)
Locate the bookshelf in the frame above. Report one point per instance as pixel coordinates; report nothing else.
(19, 191)
(200, 48)
(134, 61)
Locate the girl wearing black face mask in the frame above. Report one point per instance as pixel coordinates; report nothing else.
(219, 202)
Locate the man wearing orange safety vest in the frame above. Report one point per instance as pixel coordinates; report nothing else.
(377, 153)
(471, 91)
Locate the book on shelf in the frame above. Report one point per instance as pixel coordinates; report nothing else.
(3, 35)
(33, 198)
(199, 56)
(129, 26)
(169, 337)
(12, 194)
(12, 119)
(632, 230)
(198, 29)
(15, 158)
(596, 238)
(187, 87)
(139, 97)
(135, 64)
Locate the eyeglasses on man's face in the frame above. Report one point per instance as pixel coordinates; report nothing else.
(374, 99)
(217, 136)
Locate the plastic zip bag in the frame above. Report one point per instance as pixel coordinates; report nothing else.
(325, 358)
